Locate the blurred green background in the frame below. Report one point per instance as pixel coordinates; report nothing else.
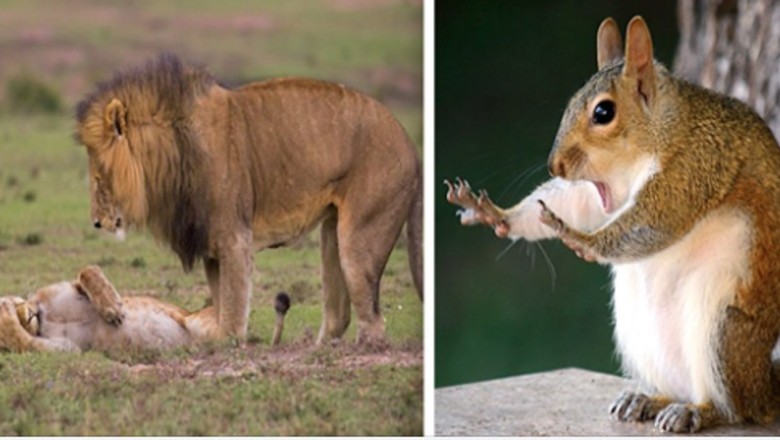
(504, 73)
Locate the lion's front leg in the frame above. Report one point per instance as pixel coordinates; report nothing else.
(235, 286)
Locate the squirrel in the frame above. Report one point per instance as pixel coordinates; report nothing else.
(677, 188)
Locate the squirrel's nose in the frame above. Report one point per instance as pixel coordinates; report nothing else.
(556, 167)
(97, 224)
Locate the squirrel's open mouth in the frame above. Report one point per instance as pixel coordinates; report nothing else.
(606, 197)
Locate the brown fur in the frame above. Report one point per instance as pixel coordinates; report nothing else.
(212, 171)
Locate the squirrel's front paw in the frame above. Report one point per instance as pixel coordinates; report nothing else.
(568, 236)
(478, 208)
(550, 219)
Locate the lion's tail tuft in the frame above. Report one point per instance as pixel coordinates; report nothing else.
(281, 305)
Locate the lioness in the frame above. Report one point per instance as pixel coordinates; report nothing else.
(88, 313)
(217, 173)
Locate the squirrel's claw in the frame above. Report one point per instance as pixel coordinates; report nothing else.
(478, 208)
(550, 219)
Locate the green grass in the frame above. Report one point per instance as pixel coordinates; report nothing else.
(88, 395)
(46, 234)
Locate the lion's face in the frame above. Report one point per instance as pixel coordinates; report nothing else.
(104, 211)
(116, 185)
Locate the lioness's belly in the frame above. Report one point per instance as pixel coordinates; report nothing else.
(69, 315)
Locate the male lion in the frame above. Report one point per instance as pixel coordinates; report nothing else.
(88, 313)
(217, 172)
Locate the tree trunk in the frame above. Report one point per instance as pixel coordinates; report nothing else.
(733, 47)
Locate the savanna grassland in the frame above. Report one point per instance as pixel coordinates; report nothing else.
(52, 54)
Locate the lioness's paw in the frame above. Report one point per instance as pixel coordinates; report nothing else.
(113, 314)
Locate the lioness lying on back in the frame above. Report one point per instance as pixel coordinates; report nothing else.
(88, 313)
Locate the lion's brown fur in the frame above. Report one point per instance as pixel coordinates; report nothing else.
(212, 170)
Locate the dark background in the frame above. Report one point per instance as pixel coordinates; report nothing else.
(504, 73)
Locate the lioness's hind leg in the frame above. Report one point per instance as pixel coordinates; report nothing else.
(202, 325)
(336, 306)
(101, 293)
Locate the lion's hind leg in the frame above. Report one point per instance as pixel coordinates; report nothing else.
(335, 305)
(101, 293)
(365, 240)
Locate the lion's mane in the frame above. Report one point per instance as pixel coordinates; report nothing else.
(161, 164)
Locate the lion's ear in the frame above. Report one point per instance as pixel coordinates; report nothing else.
(115, 118)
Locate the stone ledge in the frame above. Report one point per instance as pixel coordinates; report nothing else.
(565, 402)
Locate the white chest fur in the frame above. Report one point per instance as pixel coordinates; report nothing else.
(668, 309)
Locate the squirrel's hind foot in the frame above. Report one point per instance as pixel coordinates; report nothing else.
(669, 416)
(680, 417)
(636, 407)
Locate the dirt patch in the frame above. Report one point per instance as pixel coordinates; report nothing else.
(297, 360)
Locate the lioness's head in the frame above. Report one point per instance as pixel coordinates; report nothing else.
(27, 313)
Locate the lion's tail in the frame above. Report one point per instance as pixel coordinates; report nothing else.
(414, 238)
(281, 305)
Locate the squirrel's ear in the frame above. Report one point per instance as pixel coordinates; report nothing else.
(609, 44)
(639, 57)
(115, 118)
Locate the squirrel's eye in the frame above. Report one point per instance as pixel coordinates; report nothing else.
(604, 112)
